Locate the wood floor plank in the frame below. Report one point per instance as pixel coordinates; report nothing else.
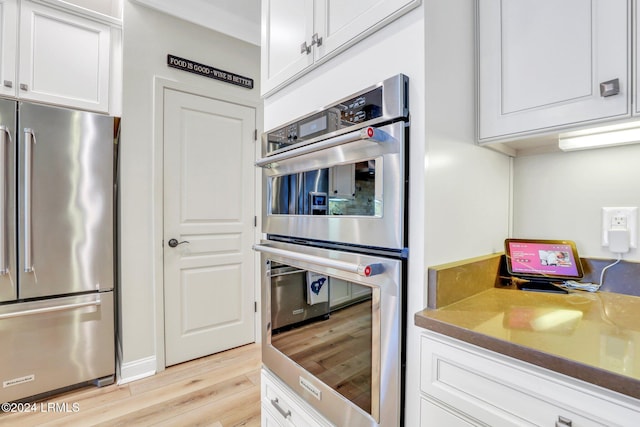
(163, 395)
(181, 404)
(82, 399)
(201, 366)
(197, 393)
(216, 411)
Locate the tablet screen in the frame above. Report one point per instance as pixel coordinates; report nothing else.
(543, 259)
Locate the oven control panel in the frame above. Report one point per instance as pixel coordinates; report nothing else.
(350, 112)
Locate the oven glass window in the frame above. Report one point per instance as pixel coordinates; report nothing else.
(352, 189)
(324, 324)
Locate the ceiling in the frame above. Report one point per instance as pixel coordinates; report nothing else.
(236, 18)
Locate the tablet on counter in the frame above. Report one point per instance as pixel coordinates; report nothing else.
(541, 263)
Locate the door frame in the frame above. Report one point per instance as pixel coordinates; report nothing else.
(220, 92)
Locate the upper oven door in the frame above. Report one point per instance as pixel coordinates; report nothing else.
(348, 189)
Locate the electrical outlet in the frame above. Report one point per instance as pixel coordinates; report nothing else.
(620, 218)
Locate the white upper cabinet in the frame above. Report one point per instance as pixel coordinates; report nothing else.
(8, 46)
(338, 22)
(64, 59)
(299, 34)
(286, 26)
(546, 65)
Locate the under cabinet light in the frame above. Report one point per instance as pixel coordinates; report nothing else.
(606, 136)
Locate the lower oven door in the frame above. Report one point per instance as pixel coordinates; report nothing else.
(345, 360)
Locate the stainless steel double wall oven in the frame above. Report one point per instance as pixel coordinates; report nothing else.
(334, 262)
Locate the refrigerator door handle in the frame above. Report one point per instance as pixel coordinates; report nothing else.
(63, 307)
(5, 138)
(29, 141)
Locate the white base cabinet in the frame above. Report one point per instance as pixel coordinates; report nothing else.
(343, 293)
(464, 385)
(434, 414)
(282, 408)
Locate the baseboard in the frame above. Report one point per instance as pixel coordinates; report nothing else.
(137, 369)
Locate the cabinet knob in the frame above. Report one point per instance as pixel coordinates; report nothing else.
(563, 422)
(304, 48)
(610, 87)
(24, 87)
(7, 83)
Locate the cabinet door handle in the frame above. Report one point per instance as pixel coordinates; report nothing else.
(24, 86)
(276, 404)
(304, 48)
(563, 422)
(610, 88)
(315, 40)
(7, 83)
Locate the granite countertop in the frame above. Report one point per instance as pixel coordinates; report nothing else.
(594, 337)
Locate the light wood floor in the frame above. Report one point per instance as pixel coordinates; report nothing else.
(222, 390)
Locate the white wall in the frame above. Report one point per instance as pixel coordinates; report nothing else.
(148, 37)
(459, 192)
(236, 18)
(466, 187)
(560, 195)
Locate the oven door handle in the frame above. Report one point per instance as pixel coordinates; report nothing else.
(366, 270)
(368, 133)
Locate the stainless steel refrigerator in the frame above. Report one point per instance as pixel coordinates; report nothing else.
(56, 249)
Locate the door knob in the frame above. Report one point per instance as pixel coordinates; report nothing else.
(173, 242)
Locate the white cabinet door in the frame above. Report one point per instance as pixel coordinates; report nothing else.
(359, 291)
(64, 58)
(503, 392)
(267, 419)
(339, 22)
(432, 415)
(541, 63)
(342, 181)
(8, 46)
(286, 25)
(339, 292)
(281, 407)
(343, 292)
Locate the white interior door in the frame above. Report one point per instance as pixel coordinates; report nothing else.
(208, 209)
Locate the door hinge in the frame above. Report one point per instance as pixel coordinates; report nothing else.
(255, 134)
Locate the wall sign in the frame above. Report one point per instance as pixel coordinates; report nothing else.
(208, 71)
